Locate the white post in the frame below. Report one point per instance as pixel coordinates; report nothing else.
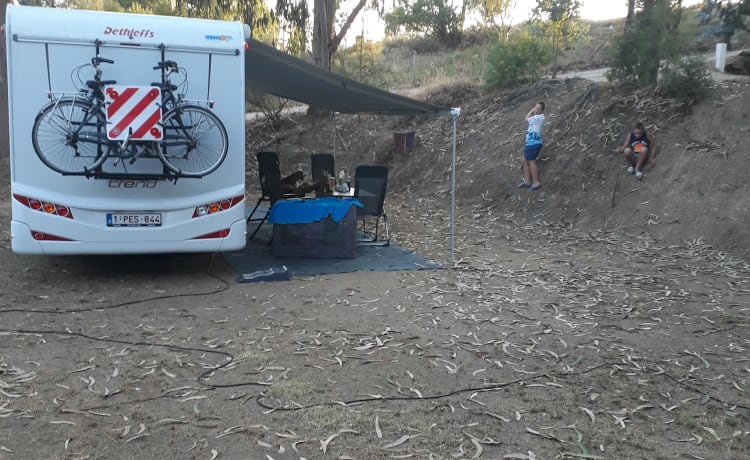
(455, 112)
(721, 56)
(414, 69)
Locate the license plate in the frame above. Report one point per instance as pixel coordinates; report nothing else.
(133, 219)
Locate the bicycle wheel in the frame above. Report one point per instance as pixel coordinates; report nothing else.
(195, 141)
(69, 136)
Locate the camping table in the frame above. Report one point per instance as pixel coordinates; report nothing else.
(335, 194)
(349, 194)
(317, 228)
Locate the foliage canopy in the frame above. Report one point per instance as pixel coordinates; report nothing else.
(652, 38)
(560, 21)
(433, 17)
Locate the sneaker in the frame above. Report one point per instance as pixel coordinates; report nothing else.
(630, 169)
(638, 174)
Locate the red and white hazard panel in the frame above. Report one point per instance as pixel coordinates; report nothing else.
(133, 112)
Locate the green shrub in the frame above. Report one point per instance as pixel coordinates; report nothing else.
(478, 36)
(271, 106)
(418, 44)
(518, 60)
(688, 80)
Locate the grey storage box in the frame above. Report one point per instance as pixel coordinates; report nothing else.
(325, 238)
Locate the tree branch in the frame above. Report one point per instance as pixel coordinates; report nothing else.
(333, 46)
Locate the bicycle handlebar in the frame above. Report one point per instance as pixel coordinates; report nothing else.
(166, 65)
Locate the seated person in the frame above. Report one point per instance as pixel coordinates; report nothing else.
(291, 184)
(639, 149)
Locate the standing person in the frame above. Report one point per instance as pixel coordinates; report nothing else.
(641, 143)
(533, 146)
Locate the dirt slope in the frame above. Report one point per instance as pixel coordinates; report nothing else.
(696, 189)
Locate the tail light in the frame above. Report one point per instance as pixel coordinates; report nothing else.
(217, 206)
(46, 207)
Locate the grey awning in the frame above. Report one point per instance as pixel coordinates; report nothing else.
(275, 72)
(272, 71)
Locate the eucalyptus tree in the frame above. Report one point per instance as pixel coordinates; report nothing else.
(254, 13)
(651, 36)
(325, 38)
(561, 20)
(497, 14)
(730, 18)
(435, 18)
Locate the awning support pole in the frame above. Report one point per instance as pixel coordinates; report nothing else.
(455, 112)
(333, 114)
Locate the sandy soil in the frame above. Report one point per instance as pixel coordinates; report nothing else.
(600, 318)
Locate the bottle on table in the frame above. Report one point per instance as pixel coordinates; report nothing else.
(331, 183)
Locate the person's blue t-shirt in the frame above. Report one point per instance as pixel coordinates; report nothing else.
(536, 127)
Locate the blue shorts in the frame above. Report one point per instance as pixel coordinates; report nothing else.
(530, 152)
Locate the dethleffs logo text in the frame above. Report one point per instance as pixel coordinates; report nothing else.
(127, 32)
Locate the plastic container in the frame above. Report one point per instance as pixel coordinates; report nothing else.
(404, 141)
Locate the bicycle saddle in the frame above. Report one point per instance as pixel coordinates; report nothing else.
(93, 84)
(164, 86)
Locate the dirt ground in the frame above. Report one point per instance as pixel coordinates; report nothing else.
(599, 318)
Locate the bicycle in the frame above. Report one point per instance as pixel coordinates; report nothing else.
(70, 133)
(195, 141)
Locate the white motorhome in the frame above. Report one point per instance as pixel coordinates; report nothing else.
(102, 160)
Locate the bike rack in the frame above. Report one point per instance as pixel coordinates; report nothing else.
(97, 173)
(166, 176)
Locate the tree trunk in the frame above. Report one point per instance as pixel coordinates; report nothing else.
(336, 41)
(676, 15)
(554, 59)
(322, 32)
(321, 38)
(631, 14)
(726, 38)
(325, 41)
(462, 17)
(651, 73)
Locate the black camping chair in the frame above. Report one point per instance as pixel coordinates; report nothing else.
(370, 184)
(320, 163)
(269, 173)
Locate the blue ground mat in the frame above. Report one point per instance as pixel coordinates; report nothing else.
(257, 263)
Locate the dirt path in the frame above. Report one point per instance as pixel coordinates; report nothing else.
(540, 343)
(600, 75)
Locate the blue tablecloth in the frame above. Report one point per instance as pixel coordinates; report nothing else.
(303, 211)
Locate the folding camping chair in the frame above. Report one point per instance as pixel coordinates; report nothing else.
(269, 173)
(370, 184)
(320, 163)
